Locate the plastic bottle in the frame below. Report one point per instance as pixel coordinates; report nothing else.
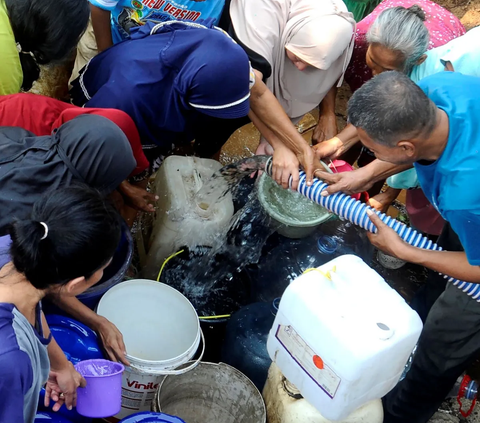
(245, 345)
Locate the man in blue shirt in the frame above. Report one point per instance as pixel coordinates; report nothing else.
(433, 126)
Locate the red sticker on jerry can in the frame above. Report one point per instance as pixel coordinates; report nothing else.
(318, 362)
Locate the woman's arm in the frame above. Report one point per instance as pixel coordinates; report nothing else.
(101, 27)
(382, 201)
(327, 126)
(63, 380)
(270, 113)
(335, 147)
(112, 339)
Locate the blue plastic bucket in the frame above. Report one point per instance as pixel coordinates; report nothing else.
(46, 417)
(77, 341)
(151, 417)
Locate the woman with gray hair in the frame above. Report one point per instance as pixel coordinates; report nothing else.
(400, 25)
(397, 40)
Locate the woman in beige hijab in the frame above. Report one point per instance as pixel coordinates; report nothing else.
(300, 50)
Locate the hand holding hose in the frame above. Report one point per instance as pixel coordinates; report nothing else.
(386, 239)
(346, 182)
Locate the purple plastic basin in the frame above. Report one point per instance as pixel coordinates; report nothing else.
(102, 397)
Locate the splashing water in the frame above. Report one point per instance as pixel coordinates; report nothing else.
(210, 277)
(227, 179)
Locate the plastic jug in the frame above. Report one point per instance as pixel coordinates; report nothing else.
(342, 336)
(245, 344)
(179, 221)
(271, 276)
(286, 405)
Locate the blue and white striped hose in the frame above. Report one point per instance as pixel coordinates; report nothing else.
(356, 212)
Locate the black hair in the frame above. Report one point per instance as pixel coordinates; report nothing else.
(48, 29)
(418, 11)
(391, 107)
(83, 233)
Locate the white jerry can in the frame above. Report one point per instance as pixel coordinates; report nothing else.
(179, 220)
(342, 336)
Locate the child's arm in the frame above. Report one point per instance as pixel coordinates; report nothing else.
(63, 379)
(101, 27)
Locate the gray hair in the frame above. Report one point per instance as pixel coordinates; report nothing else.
(401, 30)
(390, 108)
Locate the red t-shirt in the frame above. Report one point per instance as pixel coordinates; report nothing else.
(41, 115)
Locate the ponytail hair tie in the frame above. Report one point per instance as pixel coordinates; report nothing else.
(46, 231)
(20, 51)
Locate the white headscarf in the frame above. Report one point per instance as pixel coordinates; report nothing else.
(320, 32)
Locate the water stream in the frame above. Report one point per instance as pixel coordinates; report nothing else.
(227, 179)
(211, 277)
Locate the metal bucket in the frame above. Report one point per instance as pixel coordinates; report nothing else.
(211, 392)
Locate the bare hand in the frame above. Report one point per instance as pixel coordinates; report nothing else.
(139, 198)
(309, 162)
(330, 149)
(386, 239)
(381, 202)
(264, 148)
(346, 182)
(112, 340)
(284, 165)
(326, 128)
(62, 387)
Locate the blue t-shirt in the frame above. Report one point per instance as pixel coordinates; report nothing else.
(24, 365)
(5, 242)
(451, 182)
(462, 52)
(130, 13)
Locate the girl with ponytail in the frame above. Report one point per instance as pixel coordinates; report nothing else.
(62, 249)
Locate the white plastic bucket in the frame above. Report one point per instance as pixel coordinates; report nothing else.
(161, 332)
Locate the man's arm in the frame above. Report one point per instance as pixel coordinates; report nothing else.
(361, 179)
(452, 263)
